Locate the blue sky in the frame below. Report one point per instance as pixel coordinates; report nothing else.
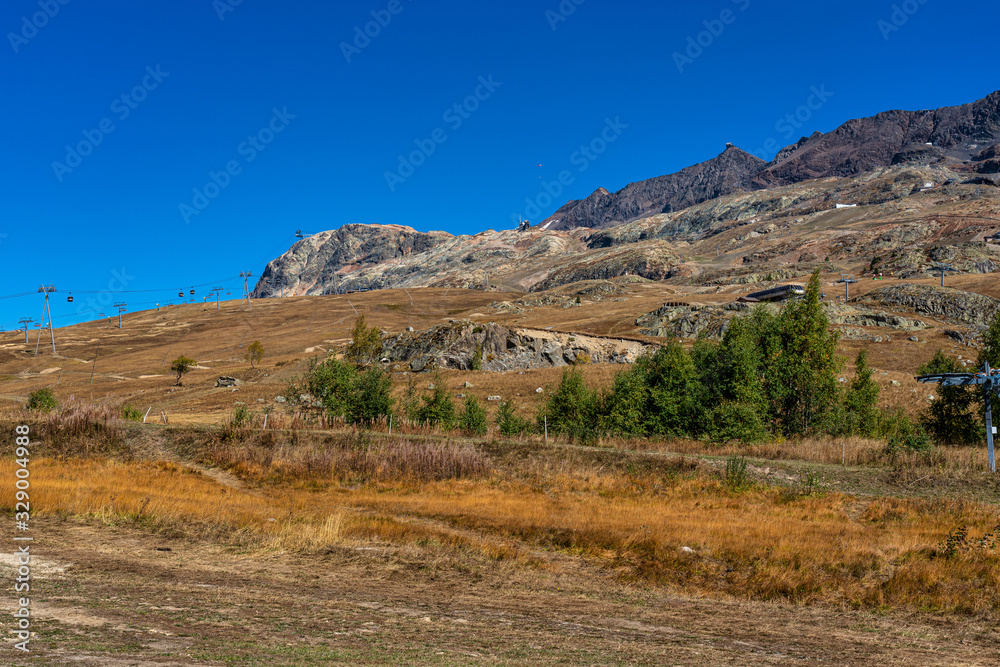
(157, 145)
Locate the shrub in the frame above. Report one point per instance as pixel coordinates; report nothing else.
(508, 423)
(437, 408)
(366, 343)
(371, 398)
(473, 418)
(736, 473)
(861, 400)
(42, 400)
(572, 408)
(949, 419)
(361, 397)
(331, 382)
(736, 421)
(477, 358)
(242, 416)
(131, 413)
(902, 433)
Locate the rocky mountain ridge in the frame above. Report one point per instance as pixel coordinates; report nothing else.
(886, 221)
(955, 136)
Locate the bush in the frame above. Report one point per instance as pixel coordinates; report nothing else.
(903, 434)
(736, 421)
(508, 423)
(473, 418)
(42, 400)
(949, 419)
(242, 416)
(371, 398)
(572, 408)
(437, 408)
(344, 390)
(131, 414)
(861, 400)
(366, 343)
(736, 474)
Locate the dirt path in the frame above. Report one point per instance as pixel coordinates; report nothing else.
(114, 596)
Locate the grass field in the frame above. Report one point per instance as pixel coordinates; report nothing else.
(308, 542)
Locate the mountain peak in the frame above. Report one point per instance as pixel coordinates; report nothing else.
(955, 134)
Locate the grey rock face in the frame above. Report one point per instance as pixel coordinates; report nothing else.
(937, 302)
(458, 344)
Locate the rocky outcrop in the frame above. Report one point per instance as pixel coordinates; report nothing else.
(489, 346)
(654, 260)
(674, 320)
(937, 302)
(323, 260)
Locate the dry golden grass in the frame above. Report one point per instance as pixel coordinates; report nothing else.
(763, 543)
(852, 451)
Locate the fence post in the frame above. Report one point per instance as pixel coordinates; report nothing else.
(146, 415)
(390, 424)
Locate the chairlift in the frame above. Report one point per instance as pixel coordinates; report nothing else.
(69, 299)
(229, 293)
(181, 294)
(192, 291)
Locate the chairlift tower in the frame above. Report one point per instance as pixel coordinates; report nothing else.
(944, 268)
(46, 309)
(847, 279)
(121, 308)
(246, 288)
(218, 290)
(989, 379)
(24, 322)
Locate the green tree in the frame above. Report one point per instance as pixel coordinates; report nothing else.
(802, 375)
(508, 423)
(255, 352)
(182, 365)
(623, 409)
(950, 419)
(332, 382)
(990, 351)
(345, 391)
(370, 398)
(572, 408)
(676, 403)
(366, 343)
(437, 408)
(861, 400)
(472, 421)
